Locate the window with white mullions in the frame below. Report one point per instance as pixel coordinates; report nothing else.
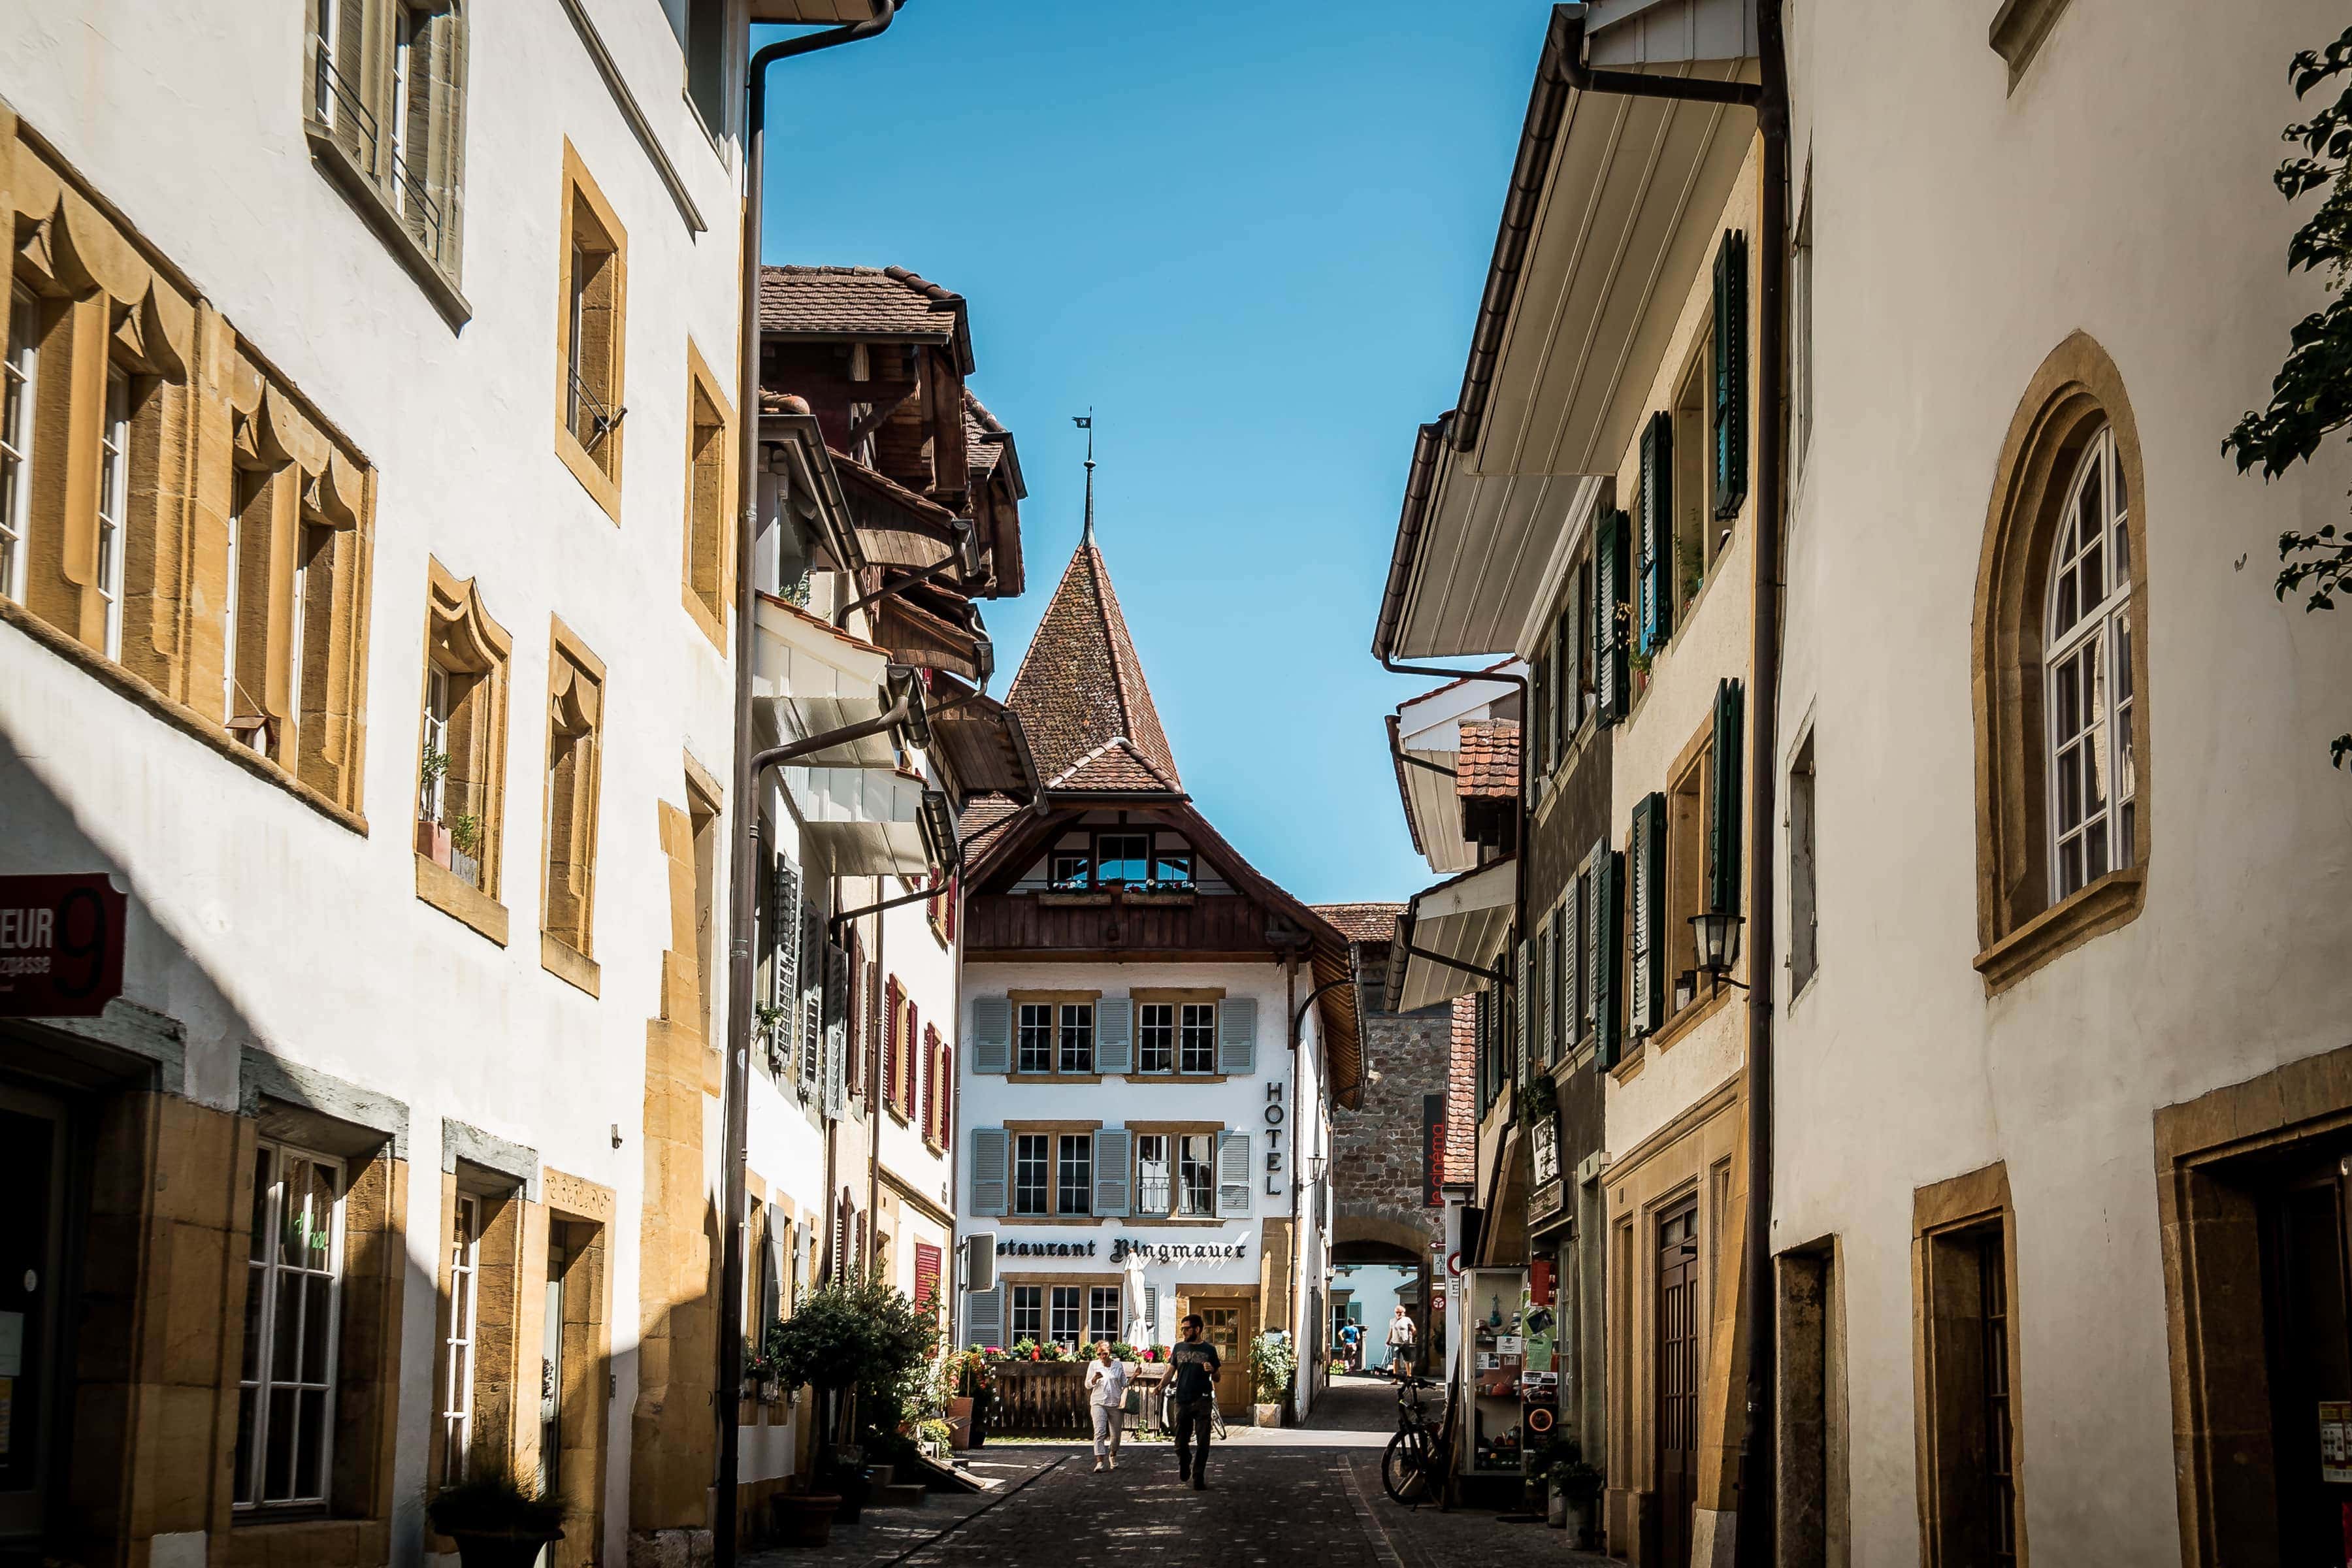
(1196, 1177)
(285, 1428)
(432, 790)
(1076, 1173)
(1028, 1312)
(1036, 1036)
(1155, 1044)
(457, 1337)
(1198, 1051)
(1077, 1036)
(2088, 659)
(1102, 1312)
(1067, 1314)
(113, 494)
(1031, 1173)
(17, 372)
(1153, 1193)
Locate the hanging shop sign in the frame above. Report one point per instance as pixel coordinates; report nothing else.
(1432, 1150)
(1545, 1194)
(61, 945)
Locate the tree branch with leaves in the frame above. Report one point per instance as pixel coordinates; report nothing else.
(2311, 396)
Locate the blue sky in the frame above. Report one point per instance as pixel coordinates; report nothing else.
(1252, 236)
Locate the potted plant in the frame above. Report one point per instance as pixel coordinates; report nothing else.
(1576, 1485)
(865, 1343)
(1273, 1363)
(805, 1518)
(496, 1522)
(466, 840)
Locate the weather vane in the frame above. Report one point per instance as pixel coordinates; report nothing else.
(1085, 422)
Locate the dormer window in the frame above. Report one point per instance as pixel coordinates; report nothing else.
(1068, 871)
(1122, 857)
(1173, 868)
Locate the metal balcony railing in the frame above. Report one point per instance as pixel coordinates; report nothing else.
(590, 420)
(337, 103)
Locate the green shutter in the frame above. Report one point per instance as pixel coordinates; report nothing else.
(1730, 366)
(1723, 799)
(1611, 574)
(1539, 706)
(1603, 948)
(1645, 916)
(1657, 541)
(1563, 718)
(1523, 989)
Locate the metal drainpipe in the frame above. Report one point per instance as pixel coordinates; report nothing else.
(1754, 1544)
(743, 858)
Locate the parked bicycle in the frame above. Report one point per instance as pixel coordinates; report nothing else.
(1414, 1471)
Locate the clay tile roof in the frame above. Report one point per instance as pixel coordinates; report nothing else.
(983, 437)
(1487, 765)
(1362, 922)
(1114, 765)
(774, 402)
(1080, 686)
(863, 301)
(981, 819)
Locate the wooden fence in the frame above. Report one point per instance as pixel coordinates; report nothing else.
(1048, 1399)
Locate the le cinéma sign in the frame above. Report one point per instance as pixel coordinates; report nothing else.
(61, 945)
(1122, 1247)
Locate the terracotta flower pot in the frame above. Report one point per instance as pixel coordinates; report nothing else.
(502, 1549)
(433, 843)
(1267, 1415)
(805, 1518)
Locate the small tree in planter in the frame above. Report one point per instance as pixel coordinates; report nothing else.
(495, 1521)
(866, 1344)
(1577, 1484)
(1273, 1362)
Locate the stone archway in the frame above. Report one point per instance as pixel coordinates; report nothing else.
(1379, 1233)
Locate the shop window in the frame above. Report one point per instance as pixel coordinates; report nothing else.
(1032, 1159)
(709, 478)
(594, 294)
(1067, 1321)
(1102, 1312)
(286, 1397)
(1075, 1175)
(575, 767)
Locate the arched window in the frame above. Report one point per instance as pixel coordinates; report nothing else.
(2087, 659)
(2060, 671)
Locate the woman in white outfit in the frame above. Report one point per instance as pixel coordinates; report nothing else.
(1106, 1401)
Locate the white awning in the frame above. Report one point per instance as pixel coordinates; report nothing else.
(817, 679)
(1463, 922)
(1429, 732)
(873, 821)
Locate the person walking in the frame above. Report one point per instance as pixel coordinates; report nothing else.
(1106, 1403)
(1351, 1345)
(1193, 1368)
(1401, 1334)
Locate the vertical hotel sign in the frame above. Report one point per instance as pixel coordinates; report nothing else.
(61, 945)
(1432, 1147)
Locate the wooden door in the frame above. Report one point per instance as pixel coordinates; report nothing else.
(1676, 1421)
(1230, 1323)
(32, 1291)
(2308, 1293)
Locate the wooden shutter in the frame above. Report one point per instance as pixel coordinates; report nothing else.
(837, 1031)
(1237, 1036)
(1730, 366)
(983, 1317)
(784, 949)
(930, 1038)
(1571, 964)
(811, 1001)
(1723, 798)
(1232, 1173)
(1602, 953)
(1657, 541)
(992, 1034)
(1115, 1035)
(1522, 1001)
(927, 1278)
(990, 1153)
(1539, 705)
(1611, 674)
(1540, 1044)
(1150, 1307)
(979, 1260)
(1645, 915)
(1114, 1151)
(1563, 678)
(1482, 1070)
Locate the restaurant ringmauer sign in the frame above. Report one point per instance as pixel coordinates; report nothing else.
(61, 945)
(1122, 1247)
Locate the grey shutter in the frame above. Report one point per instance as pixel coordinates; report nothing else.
(812, 1000)
(979, 1260)
(1539, 705)
(771, 1289)
(992, 1034)
(1730, 364)
(1562, 716)
(837, 1031)
(1657, 542)
(1723, 799)
(1151, 1307)
(1523, 988)
(1602, 951)
(989, 1154)
(783, 962)
(983, 1317)
(1237, 1036)
(1612, 675)
(1115, 1036)
(1114, 1153)
(1547, 1044)
(1232, 1173)
(1571, 963)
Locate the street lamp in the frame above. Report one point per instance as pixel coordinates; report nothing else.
(1717, 934)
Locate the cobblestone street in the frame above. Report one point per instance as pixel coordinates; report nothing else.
(1299, 1497)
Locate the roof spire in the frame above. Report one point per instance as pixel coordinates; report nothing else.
(1085, 422)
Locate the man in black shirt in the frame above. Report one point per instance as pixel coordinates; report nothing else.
(1193, 1368)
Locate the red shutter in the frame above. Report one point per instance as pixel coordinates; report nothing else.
(927, 1278)
(931, 1084)
(907, 1064)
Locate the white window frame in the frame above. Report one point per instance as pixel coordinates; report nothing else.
(1145, 1180)
(1155, 1019)
(1045, 1182)
(1206, 1165)
(1029, 1302)
(1196, 1026)
(459, 1340)
(2102, 628)
(1037, 1023)
(18, 373)
(432, 799)
(1094, 1294)
(266, 1269)
(113, 500)
(1072, 1298)
(1074, 1037)
(1064, 1144)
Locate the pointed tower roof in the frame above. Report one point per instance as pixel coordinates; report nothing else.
(1080, 691)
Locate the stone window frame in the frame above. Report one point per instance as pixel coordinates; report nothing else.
(495, 1393)
(1945, 1217)
(462, 642)
(2075, 395)
(111, 303)
(708, 583)
(352, 57)
(591, 238)
(265, 1264)
(575, 702)
(2224, 1469)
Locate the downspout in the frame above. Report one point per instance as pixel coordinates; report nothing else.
(1755, 1535)
(743, 858)
(874, 1098)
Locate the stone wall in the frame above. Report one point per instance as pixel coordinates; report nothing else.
(1379, 1182)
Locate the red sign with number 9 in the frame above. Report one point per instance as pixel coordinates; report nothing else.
(61, 945)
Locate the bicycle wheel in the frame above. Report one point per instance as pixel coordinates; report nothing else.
(1409, 1467)
(1217, 1419)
